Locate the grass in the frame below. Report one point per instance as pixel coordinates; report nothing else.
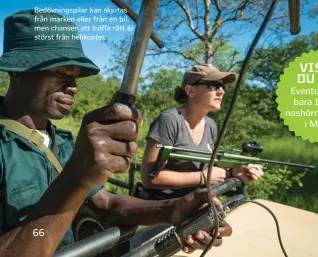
(294, 149)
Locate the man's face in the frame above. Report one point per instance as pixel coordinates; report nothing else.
(50, 93)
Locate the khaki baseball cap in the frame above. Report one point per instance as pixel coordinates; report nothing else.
(206, 72)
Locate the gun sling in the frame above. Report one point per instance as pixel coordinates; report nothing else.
(33, 137)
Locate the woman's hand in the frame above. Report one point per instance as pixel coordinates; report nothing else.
(248, 174)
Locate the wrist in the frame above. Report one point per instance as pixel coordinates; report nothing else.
(73, 173)
(202, 179)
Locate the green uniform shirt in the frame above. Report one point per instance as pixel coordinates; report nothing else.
(25, 174)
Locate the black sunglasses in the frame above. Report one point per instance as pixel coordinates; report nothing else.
(212, 85)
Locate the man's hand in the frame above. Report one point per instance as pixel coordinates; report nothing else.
(247, 174)
(218, 175)
(105, 144)
(201, 239)
(188, 205)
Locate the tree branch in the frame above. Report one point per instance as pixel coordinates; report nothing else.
(238, 14)
(217, 7)
(232, 60)
(188, 57)
(166, 4)
(207, 28)
(198, 14)
(190, 22)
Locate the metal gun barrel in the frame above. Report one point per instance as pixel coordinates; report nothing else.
(145, 250)
(201, 156)
(288, 164)
(101, 242)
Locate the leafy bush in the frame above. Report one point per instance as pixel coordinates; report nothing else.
(274, 182)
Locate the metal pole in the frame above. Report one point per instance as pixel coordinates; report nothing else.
(127, 92)
(132, 15)
(294, 16)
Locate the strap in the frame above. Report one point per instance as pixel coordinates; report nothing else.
(51, 129)
(33, 137)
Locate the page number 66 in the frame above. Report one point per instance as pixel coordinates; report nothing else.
(38, 232)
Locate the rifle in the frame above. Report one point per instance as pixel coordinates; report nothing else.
(163, 244)
(224, 160)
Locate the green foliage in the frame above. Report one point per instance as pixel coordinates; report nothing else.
(274, 182)
(303, 194)
(157, 93)
(269, 63)
(95, 92)
(252, 117)
(68, 123)
(4, 82)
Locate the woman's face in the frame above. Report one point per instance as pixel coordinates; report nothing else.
(207, 94)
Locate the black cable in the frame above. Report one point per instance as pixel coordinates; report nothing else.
(275, 219)
(221, 135)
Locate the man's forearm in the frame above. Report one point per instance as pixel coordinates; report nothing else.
(128, 210)
(42, 231)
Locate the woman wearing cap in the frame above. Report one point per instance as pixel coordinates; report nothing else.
(188, 126)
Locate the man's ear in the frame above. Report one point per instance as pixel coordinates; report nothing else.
(189, 90)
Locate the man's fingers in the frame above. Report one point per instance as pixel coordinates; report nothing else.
(216, 201)
(127, 149)
(188, 249)
(225, 229)
(123, 130)
(203, 237)
(218, 241)
(195, 244)
(116, 112)
(113, 163)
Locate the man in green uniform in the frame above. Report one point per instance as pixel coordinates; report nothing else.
(37, 206)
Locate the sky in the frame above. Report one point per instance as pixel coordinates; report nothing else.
(99, 51)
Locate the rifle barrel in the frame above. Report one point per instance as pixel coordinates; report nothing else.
(100, 243)
(288, 164)
(203, 156)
